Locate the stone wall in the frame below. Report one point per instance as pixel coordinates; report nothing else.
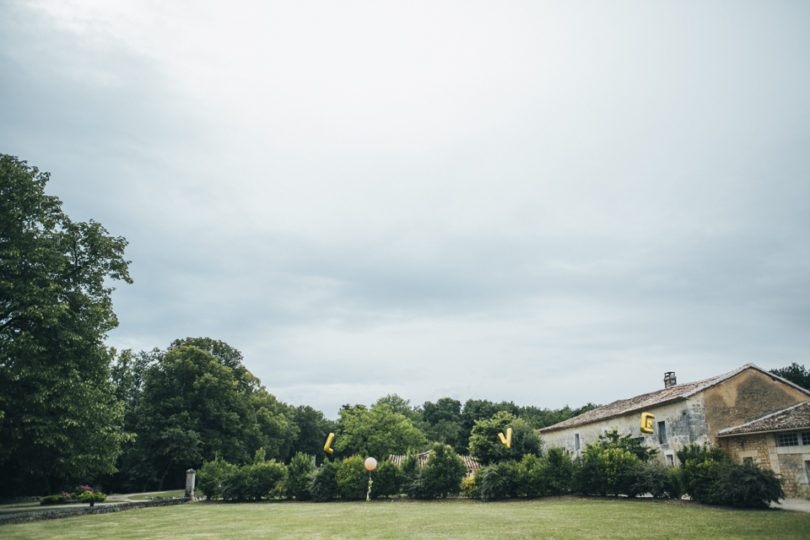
(789, 462)
(794, 473)
(759, 448)
(57, 513)
(745, 397)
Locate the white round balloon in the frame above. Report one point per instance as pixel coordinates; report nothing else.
(371, 464)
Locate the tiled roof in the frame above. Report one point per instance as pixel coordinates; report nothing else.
(470, 462)
(794, 417)
(652, 399)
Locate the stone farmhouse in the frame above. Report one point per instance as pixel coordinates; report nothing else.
(752, 413)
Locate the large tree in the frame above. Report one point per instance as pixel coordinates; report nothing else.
(377, 432)
(443, 423)
(60, 420)
(192, 403)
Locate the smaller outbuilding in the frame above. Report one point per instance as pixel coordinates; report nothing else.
(779, 441)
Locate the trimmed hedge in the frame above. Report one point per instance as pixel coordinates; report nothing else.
(612, 466)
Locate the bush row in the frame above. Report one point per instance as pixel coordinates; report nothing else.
(612, 466)
(621, 466)
(347, 479)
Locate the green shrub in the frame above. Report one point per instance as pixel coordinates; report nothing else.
(634, 445)
(212, 476)
(415, 486)
(701, 467)
(85, 494)
(323, 483)
(711, 477)
(411, 478)
(653, 477)
(255, 481)
(352, 478)
(675, 482)
(747, 486)
(603, 469)
(268, 479)
(557, 471)
(53, 499)
(299, 472)
(530, 477)
(387, 480)
(485, 446)
(442, 473)
(410, 468)
(469, 487)
(92, 497)
(498, 481)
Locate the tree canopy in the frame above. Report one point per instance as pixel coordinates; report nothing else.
(795, 373)
(377, 432)
(487, 448)
(195, 404)
(59, 415)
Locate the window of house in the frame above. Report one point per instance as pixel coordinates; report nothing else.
(806, 437)
(787, 439)
(662, 432)
(576, 442)
(670, 460)
(748, 461)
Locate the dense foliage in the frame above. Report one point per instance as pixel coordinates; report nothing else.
(440, 477)
(486, 447)
(323, 482)
(711, 477)
(59, 416)
(299, 472)
(352, 478)
(378, 431)
(795, 373)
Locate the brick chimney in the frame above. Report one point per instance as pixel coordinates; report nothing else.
(669, 379)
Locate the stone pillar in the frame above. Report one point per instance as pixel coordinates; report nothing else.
(190, 477)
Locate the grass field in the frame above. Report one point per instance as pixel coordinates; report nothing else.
(548, 518)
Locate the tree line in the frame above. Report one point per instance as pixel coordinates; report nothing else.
(196, 402)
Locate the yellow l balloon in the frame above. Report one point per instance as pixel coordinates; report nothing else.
(328, 446)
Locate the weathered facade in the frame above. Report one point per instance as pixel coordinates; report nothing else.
(681, 414)
(779, 441)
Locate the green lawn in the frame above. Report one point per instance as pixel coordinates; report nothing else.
(566, 517)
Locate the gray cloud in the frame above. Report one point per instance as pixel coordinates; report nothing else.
(531, 201)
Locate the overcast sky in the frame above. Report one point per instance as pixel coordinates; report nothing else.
(545, 202)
